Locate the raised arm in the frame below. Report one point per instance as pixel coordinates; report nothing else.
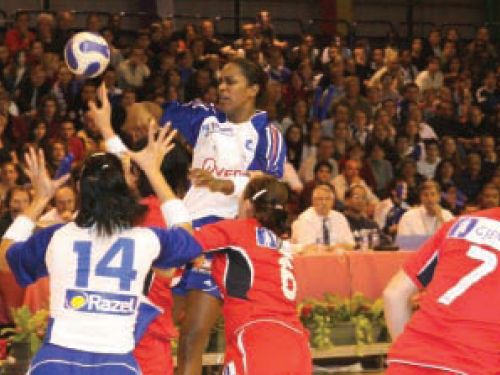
(44, 188)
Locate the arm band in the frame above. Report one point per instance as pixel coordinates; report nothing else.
(175, 213)
(115, 146)
(20, 230)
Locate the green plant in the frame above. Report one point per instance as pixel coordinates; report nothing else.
(320, 316)
(29, 328)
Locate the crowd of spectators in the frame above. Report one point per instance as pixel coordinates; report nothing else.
(373, 123)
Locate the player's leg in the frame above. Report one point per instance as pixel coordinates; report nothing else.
(202, 311)
(271, 349)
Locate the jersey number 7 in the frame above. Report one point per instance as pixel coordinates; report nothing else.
(488, 265)
(123, 247)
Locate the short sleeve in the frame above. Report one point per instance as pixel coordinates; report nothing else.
(270, 153)
(187, 118)
(421, 265)
(178, 247)
(27, 259)
(215, 236)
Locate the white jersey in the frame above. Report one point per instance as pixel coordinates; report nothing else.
(227, 150)
(96, 282)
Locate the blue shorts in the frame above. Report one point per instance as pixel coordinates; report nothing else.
(199, 278)
(56, 360)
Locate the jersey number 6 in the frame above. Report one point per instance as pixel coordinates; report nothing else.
(288, 282)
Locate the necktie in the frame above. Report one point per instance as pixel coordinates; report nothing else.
(326, 233)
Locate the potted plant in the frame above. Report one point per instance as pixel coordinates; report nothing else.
(26, 337)
(342, 321)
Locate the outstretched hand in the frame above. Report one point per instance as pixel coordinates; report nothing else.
(102, 116)
(43, 185)
(151, 157)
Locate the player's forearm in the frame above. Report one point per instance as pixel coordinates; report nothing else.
(397, 303)
(397, 313)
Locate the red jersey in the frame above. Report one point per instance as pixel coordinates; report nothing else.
(253, 272)
(457, 327)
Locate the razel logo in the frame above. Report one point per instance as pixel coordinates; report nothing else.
(211, 166)
(463, 227)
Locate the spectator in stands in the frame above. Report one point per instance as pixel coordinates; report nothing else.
(93, 23)
(49, 113)
(389, 211)
(356, 213)
(432, 47)
(17, 199)
(488, 95)
(311, 139)
(408, 173)
(427, 165)
(212, 44)
(64, 209)
(471, 179)
(417, 53)
(470, 134)
(353, 99)
(9, 178)
(432, 77)
(350, 177)
(38, 137)
(489, 155)
(359, 127)
(30, 92)
(489, 197)
(380, 167)
(74, 144)
(63, 30)
(393, 69)
(330, 87)
(425, 219)
(409, 70)
(116, 56)
(322, 175)
(321, 225)
(133, 71)
(444, 122)
(87, 93)
(19, 37)
(449, 151)
(324, 153)
(480, 54)
(294, 139)
(65, 89)
(45, 26)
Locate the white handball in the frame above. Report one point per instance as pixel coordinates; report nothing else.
(87, 54)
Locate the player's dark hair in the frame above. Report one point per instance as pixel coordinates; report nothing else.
(254, 75)
(269, 198)
(106, 201)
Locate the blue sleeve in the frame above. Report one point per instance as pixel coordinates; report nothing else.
(270, 153)
(187, 118)
(27, 259)
(178, 247)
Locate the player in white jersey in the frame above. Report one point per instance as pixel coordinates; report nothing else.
(229, 142)
(97, 264)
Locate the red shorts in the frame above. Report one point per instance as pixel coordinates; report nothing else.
(154, 355)
(401, 369)
(268, 348)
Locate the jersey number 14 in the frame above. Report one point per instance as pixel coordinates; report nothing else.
(123, 248)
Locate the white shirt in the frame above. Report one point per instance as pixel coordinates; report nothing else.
(417, 222)
(424, 81)
(427, 169)
(308, 228)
